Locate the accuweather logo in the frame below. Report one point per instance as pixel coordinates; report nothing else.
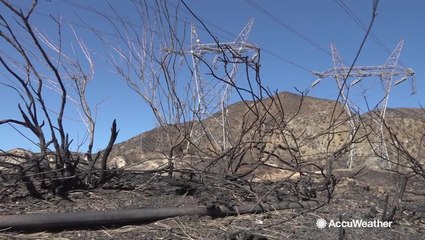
(354, 223)
(321, 223)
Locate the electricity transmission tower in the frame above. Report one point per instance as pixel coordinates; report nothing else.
(385, 73)
(213, 96)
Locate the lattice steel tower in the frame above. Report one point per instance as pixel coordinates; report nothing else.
(213, 96)
(385, 73)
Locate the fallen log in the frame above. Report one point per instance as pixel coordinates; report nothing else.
(50, 221)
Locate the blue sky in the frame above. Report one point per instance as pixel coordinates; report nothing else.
(318, 22)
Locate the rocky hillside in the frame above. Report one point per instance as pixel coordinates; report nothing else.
(404, 131)
(313, 126)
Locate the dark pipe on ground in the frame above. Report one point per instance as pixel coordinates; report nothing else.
(50, 221)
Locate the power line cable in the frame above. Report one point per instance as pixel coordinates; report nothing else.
(361, 24)
(287, 60)
(288, 27)
(364, 27)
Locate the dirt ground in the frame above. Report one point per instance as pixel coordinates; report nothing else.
(361, 197)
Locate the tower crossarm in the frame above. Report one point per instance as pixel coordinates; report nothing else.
(366, 71)
(239, 45)
(224, 47)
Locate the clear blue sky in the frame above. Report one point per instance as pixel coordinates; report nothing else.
(318, 22)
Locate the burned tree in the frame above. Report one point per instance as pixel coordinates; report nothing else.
(46, 78)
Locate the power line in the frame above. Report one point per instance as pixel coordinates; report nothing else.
(364, 27)
(229, 34)
(286, 26)
(286, 60)
(361, 24)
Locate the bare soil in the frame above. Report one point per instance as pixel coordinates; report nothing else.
(359, 197)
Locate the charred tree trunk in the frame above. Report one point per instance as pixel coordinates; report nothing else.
(107, 151)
